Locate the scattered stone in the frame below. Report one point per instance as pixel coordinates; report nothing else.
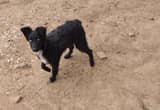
(46, 23)
(21, 24)
(74, 10)
(21, 88)
(87, 25)
(101, 55)
(4, 1)
(91, 20)
(7, 93)
(10, 40)
(90, 35)
(16, 99)
(10, 60)
(22, 66)
(131, 34)
(152, 19)
(118, 52)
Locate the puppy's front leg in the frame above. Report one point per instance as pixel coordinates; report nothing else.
(44, 67)
(54, 73)
(55, 65)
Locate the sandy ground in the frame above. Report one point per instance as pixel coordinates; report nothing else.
(126, 31)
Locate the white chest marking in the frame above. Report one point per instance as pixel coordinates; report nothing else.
(41, 57)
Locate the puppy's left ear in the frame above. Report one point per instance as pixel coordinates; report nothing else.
(26, 31)
(42, 31)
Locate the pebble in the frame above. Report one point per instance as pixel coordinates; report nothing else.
(101, 55)
(46, 23)
(4, 1)
(91, 20)
(22, 66)
(7, 93)
(10, 60)
(152, 19)
(16, 99)
(131, 34)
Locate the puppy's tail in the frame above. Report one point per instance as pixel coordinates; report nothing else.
(78, 21)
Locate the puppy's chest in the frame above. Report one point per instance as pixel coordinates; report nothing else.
(43, 59)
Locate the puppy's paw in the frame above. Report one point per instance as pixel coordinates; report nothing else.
(92, 63)
(52, 79)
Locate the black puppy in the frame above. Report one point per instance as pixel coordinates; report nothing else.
(49, 47)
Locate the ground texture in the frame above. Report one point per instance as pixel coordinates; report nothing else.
(127, 32)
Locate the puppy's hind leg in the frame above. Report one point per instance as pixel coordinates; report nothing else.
(69, 54)
(91, 58)
(88, 51)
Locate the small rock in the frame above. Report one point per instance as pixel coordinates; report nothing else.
(46, 23)
(91, 35)
(21, 87)
(152, 19)
(118, 52)
(131, 34)
(75, 10)
(4, 1)
(87, 25)
(91, 20)
(7, 93)
(101, 55)
(10, 40)
(22, 66)
(21, 24)
(10, 60)
(16, 99)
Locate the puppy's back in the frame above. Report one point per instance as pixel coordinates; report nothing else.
(68, 29)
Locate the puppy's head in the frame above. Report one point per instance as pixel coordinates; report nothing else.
(36, 38)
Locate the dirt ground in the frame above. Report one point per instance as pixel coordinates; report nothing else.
(126, 31)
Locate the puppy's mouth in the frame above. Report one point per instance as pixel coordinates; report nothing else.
(35, 50)
(37, 53)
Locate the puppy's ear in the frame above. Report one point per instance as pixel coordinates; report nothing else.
(42, 31)
(26, 31)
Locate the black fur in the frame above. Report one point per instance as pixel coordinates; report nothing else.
(53, 44)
